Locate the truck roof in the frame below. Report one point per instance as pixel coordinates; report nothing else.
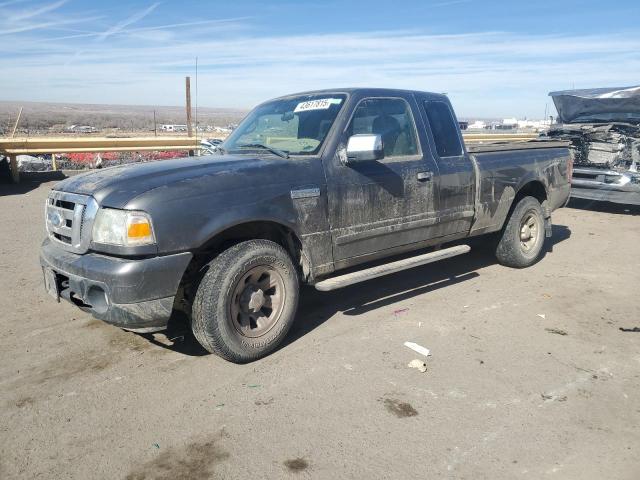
(368, 91)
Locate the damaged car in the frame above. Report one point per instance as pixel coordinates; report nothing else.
(603, 128)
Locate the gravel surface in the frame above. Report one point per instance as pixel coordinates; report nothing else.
(533, 373)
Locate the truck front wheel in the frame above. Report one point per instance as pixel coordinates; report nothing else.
(246, 301)
(523, 236)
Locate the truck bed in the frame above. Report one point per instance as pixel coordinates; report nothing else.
(509, 146)
(502, 169)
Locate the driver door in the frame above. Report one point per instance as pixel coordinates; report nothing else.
(379, 205)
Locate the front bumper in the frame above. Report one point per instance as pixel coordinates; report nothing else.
(605, 185)
(133, 294)
(613, 196)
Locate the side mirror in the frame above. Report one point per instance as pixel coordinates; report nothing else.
(364, 148)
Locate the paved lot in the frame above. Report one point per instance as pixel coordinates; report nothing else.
(531, 374)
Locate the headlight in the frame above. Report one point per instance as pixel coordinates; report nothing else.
(122, 227)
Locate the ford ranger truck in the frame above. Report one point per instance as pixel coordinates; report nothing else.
(325, 188)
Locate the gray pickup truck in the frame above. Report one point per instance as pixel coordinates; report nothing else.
(326, 188)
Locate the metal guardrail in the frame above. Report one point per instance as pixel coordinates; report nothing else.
(498, 137)
(12, 147)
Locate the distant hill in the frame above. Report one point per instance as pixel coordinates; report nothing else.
(42, 118)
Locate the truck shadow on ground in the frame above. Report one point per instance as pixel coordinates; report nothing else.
(603, 207)
(317, 307)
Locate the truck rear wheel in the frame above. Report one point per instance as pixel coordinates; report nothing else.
(246, 301)
(523, 236)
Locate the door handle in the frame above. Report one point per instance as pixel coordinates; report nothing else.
(424, 176)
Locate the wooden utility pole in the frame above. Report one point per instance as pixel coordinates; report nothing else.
(15, 174)
(13, 160)
(188, 85)
(155, 125)
(189, 129)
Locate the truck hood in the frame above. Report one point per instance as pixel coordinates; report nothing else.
(598, 105)
(116, 186)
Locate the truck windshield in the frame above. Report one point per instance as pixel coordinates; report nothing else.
(295, 125)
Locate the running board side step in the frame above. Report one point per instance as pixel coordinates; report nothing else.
(393, 267)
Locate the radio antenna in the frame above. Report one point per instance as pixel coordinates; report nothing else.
(196, 96)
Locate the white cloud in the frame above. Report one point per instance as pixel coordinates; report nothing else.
(486, 73)
(120, 26)
(226, 24)
(33, 19)
(21, 15)
(10, 2)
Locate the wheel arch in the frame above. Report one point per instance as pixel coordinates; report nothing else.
(265, 229)
(535, 188)
(232, 234)
(529, 188)
(532, 188)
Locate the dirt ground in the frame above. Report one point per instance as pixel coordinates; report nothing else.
(534, 373)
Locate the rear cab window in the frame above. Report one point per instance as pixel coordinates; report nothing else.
(444, 128)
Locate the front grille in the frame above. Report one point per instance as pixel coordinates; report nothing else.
(69, 218)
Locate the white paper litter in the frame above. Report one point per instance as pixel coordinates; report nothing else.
(419, 364)
(417, 348)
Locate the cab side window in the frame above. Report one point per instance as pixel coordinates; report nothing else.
(444, 129)
(391, 119)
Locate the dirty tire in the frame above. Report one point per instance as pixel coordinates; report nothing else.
(514, 249)
(229, 279)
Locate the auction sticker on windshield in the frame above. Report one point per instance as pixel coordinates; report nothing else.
(320, 104)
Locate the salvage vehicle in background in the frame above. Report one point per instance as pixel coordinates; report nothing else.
(603, 127)
(308, 187)
(209, 145)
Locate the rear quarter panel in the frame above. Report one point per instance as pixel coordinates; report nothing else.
(502, 174)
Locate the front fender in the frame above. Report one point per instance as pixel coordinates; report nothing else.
(271, 212)
(304, 217)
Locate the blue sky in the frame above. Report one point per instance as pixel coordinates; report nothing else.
(493, 58)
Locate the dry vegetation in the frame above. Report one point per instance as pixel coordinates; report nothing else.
(52, 118)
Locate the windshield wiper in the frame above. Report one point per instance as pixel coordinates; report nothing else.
(275, 151)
